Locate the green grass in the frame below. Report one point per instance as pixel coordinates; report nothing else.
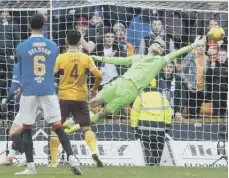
(121, 172)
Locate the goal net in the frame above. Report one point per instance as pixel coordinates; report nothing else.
(195, 85)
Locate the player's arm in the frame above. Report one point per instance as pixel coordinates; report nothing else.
(98, 75)
(173, 55)
(57, 65)
(14, 88)
(19, 61)
(88, 46)
(114, 60)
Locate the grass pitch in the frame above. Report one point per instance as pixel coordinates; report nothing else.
(121, 172)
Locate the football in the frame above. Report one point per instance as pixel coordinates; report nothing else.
(216, 33)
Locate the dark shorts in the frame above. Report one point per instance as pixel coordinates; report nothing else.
(79, 111)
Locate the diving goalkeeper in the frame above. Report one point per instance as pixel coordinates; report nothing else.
(143, 70)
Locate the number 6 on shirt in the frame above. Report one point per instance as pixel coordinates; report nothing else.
(39, 68)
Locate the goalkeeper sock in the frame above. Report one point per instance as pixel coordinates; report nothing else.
(28, 143)
(54, 145)
(90, 139)
(17, 141)
(63, 138)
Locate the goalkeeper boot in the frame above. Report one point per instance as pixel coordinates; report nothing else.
(29, 170)
(69, 123)
(72, 129)
(97, 161)
(74, 166)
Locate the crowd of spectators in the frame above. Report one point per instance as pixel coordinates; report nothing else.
(123, 32)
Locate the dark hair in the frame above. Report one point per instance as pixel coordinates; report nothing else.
(73, 37)
(108, 30)
(37, 21)
(155, 19)
(223, 47)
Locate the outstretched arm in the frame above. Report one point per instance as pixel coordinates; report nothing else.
(173, 55)
(114, 60)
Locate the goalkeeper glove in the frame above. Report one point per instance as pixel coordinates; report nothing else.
(199, 41)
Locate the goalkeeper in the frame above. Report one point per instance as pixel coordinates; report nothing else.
(143, 70)
(126, 88)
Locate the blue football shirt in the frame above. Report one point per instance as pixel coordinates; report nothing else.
(15, 83)
(36, 58)
(16, 74)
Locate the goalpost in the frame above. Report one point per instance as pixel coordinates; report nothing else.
(189, 142)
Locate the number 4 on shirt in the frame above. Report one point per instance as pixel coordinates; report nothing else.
(74, 71)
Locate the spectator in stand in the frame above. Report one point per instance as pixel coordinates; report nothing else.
(108, 49)
(157, 32)
(217, 84)
(96, 26)
(174, 87)
(88, 42)
(121, 13)
(194, 66)
(10, 37)
(120, 37)
(139, 28)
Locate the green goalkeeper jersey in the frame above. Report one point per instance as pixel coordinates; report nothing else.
(143, 68)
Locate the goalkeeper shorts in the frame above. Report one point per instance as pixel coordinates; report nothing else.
(118, 94)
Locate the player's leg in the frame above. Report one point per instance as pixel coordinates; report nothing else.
(15, 134)
(97, 100)
(53, 146)
(81, 115)
(53, 143)
(100, 115)
(16, 137)
(28, 109)
(117, 95)
(51, 108)
(65, 112)
(104, 96)
(54, 140)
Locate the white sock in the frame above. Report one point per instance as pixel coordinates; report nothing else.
(23, 157)
(72, 161)
(31, 165)
(12, 153)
